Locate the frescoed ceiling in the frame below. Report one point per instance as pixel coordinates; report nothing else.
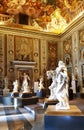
(47, 15)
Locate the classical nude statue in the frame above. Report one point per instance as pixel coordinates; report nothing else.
(59, 86)
(15, 83)
(41, 84)
(25, 84)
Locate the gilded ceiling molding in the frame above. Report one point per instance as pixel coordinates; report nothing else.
(44, 15)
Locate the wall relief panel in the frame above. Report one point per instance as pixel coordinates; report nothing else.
(23, 48)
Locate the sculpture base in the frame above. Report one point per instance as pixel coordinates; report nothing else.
(21, 102)
(60, 107)
(15, 94)
(25, 95)
(71, 119)
(48, 102)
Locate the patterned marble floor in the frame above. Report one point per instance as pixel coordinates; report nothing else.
(15, 119)
(22, 119)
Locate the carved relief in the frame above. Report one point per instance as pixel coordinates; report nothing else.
(23, 48)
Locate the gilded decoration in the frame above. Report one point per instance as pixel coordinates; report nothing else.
(81, 37)
(23, 48)
(52, 55)
(45, 15)
(81, 41)
(67, 48)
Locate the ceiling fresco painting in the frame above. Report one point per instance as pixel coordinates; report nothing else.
(47, 15)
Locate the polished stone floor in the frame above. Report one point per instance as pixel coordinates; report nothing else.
(15, 119)
(22, 119)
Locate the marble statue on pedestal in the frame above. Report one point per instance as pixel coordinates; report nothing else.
(41, 92)
(25, 85)
(15, 84)
(59, 86)
(41, 84)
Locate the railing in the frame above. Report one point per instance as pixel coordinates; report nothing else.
(5, 19)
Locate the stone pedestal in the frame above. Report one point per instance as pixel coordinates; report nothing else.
(21, 102)
(71, 119)
(25, 95)
(48, 102)
(15, 94)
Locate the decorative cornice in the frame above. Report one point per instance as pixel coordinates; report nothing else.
(23, 64)
(29, 31)
(75, 25)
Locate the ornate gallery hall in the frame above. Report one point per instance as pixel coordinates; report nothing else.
(41, 64)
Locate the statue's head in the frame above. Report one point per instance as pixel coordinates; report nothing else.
(50, 74)
(62, 66)
(61, 63)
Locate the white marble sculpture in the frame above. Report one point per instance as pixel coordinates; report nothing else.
(25, 85)
(41, 84)
(59, 86)
(15, 84)
(73, 84)
(52, 75)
